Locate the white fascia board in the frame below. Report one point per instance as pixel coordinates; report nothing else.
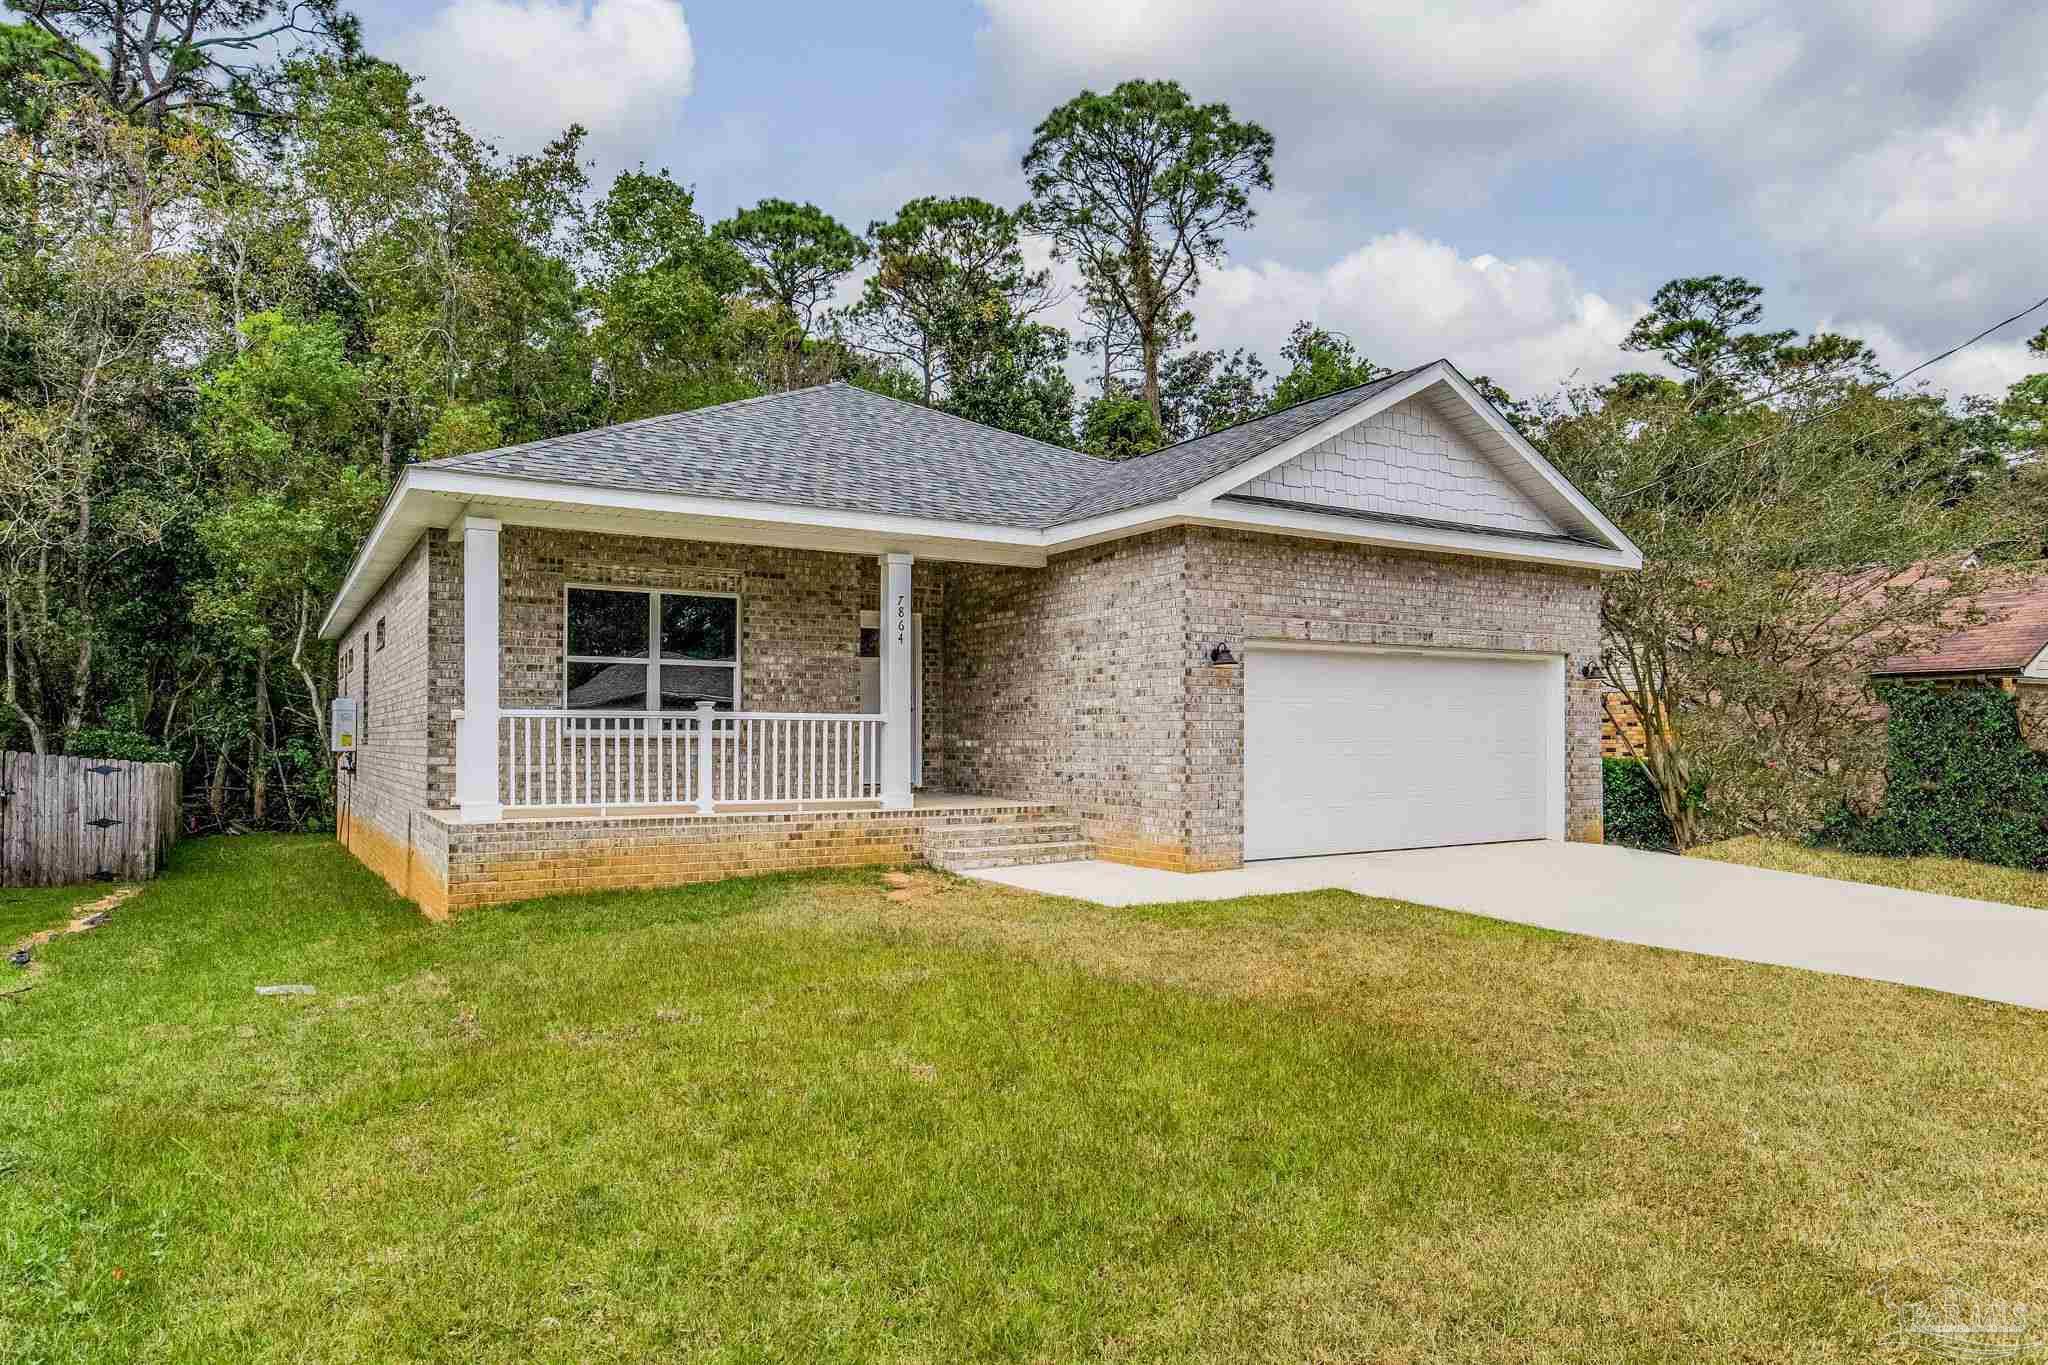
(1534, 457)
(429, 497)
(363, 576)
(1236, 516)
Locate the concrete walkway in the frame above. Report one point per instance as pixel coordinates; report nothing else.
(1945, 943)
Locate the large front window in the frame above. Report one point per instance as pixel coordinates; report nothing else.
(633, 650)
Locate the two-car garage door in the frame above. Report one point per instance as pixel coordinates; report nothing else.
(1348, 751)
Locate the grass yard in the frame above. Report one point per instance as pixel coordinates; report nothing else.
(815, 1118)
(1945, 876)
(25, 910)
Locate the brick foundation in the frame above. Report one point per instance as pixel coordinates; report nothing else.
(513, 860)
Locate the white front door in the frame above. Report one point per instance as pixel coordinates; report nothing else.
(1349, 751)
(871, 683)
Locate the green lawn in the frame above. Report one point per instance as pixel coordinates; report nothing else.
(29, 910)
(809, 1118)
(1946, 876)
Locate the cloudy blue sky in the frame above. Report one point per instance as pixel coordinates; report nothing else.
(1503, 182)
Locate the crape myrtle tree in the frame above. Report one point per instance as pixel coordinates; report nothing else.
(1797, 521)
(1137, 187)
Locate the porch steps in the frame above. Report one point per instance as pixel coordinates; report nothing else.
(968, 845)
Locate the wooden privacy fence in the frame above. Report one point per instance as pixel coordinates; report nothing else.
(74, 819)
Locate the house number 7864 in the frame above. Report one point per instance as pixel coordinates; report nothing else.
(902, 618)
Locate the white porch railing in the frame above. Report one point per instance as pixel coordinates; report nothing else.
(677, 758)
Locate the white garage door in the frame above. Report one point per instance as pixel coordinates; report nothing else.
(1347, 752)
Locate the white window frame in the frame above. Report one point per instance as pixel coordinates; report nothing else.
(650, 695)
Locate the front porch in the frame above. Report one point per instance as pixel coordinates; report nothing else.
(610, 711)
(594, 680)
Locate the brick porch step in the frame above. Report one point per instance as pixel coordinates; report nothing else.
(1013, 843)
(1004, 833)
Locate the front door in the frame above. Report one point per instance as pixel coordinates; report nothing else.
(871, 683)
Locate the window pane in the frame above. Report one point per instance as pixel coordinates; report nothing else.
(607, 687)
(682, 687)
(699, 627)
(611, 625)
(870, 646)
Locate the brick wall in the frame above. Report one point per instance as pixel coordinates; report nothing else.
(378, 803)
(1245, 586)
(799, 619)
(1088, 682)
(1085, 683)
(1067, 685)
(1621, 729)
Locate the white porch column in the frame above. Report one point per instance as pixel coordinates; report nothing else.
(899, 726)
(476, 737)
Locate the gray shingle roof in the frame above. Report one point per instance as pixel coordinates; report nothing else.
(1176, 469)
(840, 447)
(832, 446)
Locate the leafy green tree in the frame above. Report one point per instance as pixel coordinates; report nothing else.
(1784, 551)
(1703, 327)
(935, 258)
(797, 255)
(281, 421)
(160, 61)
(663, 295)
(94, 467)
(457, 263)
(1520, 415)
(34, 65)
(1320, 361)
(1137, 187)
(1119, 426)
(1205, 391)
(1008, 372)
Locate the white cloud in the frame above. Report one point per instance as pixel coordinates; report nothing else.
(522, 70)
(1937, 229)
(1891, 154)
(1456, 94)
(1404, 299)
(1990, 367)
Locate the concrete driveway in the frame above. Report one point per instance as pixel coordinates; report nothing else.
(1945, 943)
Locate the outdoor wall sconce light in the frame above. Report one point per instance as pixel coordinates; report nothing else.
(1589, 670)
(1220, 655)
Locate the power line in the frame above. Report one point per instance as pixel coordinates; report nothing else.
(1828, 412)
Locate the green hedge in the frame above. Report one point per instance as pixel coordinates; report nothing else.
(1959, 782)
(1629, 806)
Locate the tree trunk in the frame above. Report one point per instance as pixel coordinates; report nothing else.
(316, 696)
(28, 719)
(1152, 381)
(259, 748)
(217, 791)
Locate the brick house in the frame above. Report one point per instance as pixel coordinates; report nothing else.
(2005, 646)
(827, 628)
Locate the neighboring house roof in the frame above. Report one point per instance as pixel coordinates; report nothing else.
(2008, 641)
(840, 468)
